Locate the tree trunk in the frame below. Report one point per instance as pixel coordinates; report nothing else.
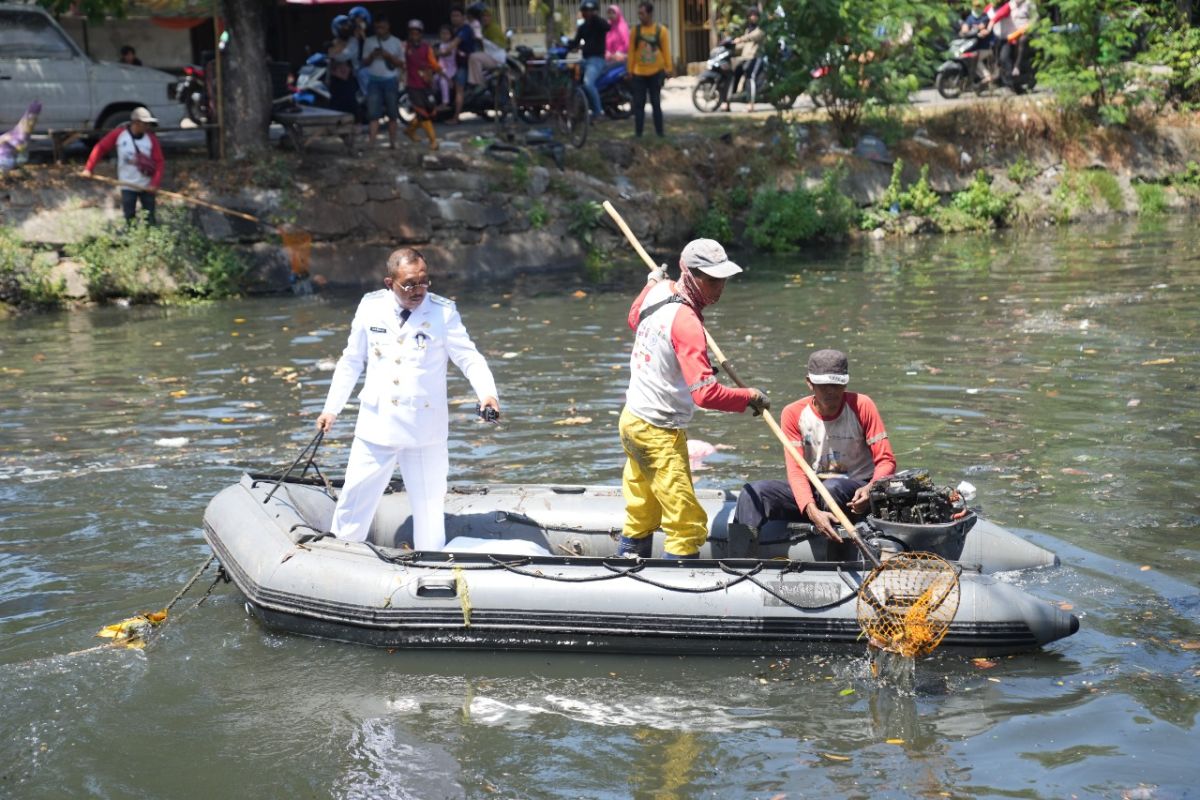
(247, 82)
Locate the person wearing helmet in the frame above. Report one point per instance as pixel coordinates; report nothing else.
(362, 19)
(362, 29)
(420, 65)
(590, 38)
(344, 60)
(748, 64)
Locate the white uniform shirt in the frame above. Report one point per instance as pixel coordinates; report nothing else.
(403, 399)
(379, 68)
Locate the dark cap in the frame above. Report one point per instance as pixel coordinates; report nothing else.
(829, 366)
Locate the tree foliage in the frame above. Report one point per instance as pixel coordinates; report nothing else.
(94, 10)
(1175, 45)
(1085, 60)
(850, 55)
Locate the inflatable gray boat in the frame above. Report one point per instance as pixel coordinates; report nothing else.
(530, 567)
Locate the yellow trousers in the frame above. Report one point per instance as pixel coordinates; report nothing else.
(657, 485)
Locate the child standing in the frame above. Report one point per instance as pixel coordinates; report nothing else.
(446, 56)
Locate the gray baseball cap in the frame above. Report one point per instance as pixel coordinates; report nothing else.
(829, 366)
(707, 256)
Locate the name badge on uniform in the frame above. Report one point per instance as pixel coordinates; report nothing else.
(378, 330)
(421, 340)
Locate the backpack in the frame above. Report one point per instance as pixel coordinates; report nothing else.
(656, 44)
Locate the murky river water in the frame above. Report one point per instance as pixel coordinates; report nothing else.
(1056, 371)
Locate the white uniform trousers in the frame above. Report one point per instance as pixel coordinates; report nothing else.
(368, 471)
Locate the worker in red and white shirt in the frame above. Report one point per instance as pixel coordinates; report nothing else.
(670, 375)
(842, 437)
(139, 162)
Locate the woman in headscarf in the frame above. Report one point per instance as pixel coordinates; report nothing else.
(616, 44)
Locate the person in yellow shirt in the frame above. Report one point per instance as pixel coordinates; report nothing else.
(649, 66)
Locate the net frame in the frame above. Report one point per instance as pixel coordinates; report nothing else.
(906, 604)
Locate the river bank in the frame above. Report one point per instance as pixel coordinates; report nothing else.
(773, 183)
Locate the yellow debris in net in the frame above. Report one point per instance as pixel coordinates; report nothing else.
(905, 606)
(464, 594)
(132, 632)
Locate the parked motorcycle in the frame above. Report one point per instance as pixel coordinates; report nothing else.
(191, 91)
(712, 89)
(615, 97)
(970, 65)
(309, 88)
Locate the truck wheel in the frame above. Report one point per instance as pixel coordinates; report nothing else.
(112, 119)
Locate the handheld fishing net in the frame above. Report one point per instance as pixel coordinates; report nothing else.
(906, 604)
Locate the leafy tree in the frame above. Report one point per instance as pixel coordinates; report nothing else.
(1085, 59)
(1176, 45)
(850, 55)
(247, 84)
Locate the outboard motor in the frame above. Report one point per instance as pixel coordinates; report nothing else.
(910, 497)
(907, 508)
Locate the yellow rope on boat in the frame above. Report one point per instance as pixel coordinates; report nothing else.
(464, 594)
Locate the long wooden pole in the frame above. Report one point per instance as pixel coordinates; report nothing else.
(830, 503)
(194, 201)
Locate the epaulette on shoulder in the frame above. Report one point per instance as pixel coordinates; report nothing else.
(441, 301)
(377, 293)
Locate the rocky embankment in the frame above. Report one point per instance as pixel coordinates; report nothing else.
(477, 212)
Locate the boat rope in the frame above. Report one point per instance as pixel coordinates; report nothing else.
(138, 631)
(518, 566)
(192, 582)
(309, 450)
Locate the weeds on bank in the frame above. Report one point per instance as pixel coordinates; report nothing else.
(26, 280)
(715, 224)
(780, 221)
(1152, 199)
(1022, 171)
(1078, 191)
(172, 259)
(583, 217)
(978, 207)
(538, 215)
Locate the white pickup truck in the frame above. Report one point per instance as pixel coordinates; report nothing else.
(39, 61)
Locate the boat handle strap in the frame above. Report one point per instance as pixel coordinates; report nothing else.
(311, 446)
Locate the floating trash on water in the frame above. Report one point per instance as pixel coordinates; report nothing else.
(176, 441)
(574, 421)
(132, 632)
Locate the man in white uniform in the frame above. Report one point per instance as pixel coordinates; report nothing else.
(405, 335)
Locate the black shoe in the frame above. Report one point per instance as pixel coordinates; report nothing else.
(640, 547)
